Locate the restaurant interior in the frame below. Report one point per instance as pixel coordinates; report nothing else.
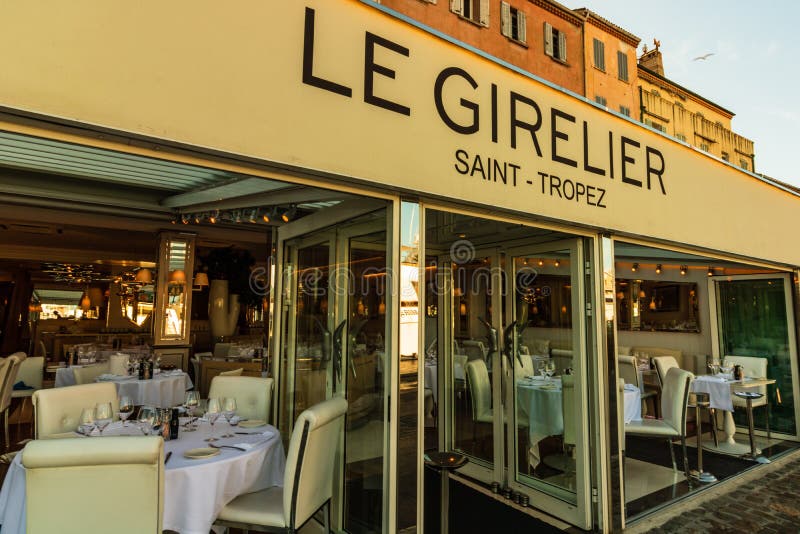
(106, 253)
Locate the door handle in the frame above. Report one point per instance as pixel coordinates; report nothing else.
(337, 352)
(326, 343)
(351, 343)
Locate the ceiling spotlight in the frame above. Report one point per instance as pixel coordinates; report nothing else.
(634, 267)
(237, 216)
(710, 271)
(252, 216)
(213, 217)
(289, 214)
(541, 263)
(266, 216)
(185, 218)
(197, 218)
(684, 268)
(557, 263)
(658, 269)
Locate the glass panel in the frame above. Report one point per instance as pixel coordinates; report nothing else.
(363, 370)
(175, 261)
(543, 379)
(407, 453)
(310, 332)
(753, 322)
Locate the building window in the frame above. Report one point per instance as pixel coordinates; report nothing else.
(475, 10)
(622, 66)
(726, 156)
(655, 92)
(681, 137)
(555, 43)
(599, 54)
(625, 111)
(655, 125)
(600, 100)
(512, 23)
(743, 164)
(704, 147)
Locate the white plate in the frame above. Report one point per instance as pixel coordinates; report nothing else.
(200, 453)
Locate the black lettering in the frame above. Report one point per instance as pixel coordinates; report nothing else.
(514, 169)
(586, 165)
(557, 134)
(501, 171)
(371, 68)
(611, 155)
(600, 200)
(543, 176)
(555, 183)
(308, 61)
(590, 189)
(494, 113)
(477, 165)
(437, 96)
(461, 157)
(652, 170)
(516, 123)
(571, 194)
(627, 159)
(580, 190)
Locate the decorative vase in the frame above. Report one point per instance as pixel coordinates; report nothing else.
(223, 309)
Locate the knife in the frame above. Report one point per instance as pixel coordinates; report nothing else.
(166, 458)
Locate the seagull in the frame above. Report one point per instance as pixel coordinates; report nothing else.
(704, 57)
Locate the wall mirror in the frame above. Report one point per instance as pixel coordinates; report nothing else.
(657, 306)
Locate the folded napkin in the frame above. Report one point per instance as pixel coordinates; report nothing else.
(245, 446)
(21, 385)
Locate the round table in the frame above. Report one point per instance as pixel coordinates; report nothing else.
(194, 490)
(166, 390)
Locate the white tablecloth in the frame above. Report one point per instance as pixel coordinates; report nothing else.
(632, 404)
(65, 376)
(194, 490)
(718, 389)
(164, 391)
(432, 374)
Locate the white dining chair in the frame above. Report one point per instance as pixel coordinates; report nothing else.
(58, 410)
(629, 371)
(253, 394)
(480, 393)
(474, 349)
(663, 365)
(7, 389)
(114, 484)
(88, 373)
(674, 402)
(307, 480)
(752, 366)
(31, 374)
(232, 372)
(5, 368)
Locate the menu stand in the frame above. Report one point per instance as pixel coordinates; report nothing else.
(444, 462)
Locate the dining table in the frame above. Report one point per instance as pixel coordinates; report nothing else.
(539, 405)
(720, 388)
(195, 489)
(165, 390)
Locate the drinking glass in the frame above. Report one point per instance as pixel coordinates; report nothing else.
(87, 421)
(542, 368)
(550, 369)
(147, 419)
(213, 411)
(190, 402)
(103, 415)
(125, 409)
(229, 411)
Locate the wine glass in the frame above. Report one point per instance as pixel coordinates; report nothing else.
(229, 411)
(190, 402)
(125, 409)
(542, 368)
(147, 419)
(87, 421)
(103, 415)
(213, 411)
(550, 369)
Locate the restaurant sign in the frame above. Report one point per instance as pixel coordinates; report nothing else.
(344, 88)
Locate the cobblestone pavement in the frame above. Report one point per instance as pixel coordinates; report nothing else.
(765, 500)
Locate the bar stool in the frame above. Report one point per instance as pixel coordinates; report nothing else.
(749, 396)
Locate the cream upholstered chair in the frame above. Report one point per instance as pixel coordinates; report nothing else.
(91, 485)
(307, 480)
(525, 368)
(629, 371)
(31, 373)
(752, 366)
(475, 350)
(674, 400)
(480, 393)
(5, 368)
(253, 394)
(88, 373)
(7, 388)
(233, 372)
(196, 363)
(663, 365)
(58, 410)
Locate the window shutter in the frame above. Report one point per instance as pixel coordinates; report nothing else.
(562, 46)
(548, 39)
(622, 62)
(522, 27)
(505, 19)
(457, 6)
(599, 55)
(484, 15)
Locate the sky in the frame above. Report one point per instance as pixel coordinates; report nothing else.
(753, 72)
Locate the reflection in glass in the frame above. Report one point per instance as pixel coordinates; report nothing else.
(175, 259)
